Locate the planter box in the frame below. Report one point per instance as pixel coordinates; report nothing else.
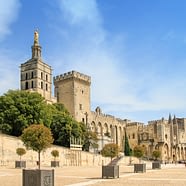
(20, 164)
(141, 167)
(110, 171)
(54, 163)
(38, 177)
(156, 165)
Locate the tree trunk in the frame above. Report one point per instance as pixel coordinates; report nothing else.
(39, 160)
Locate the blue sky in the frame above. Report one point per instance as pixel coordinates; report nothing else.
(134, 51)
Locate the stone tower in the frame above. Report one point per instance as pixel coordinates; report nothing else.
(73, 90)
(35, 74)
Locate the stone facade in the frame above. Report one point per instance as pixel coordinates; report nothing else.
(73, 90)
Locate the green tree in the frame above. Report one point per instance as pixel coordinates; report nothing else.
(37, 138)
(64, 127)
(127, 150)
(55, 154)
(156, 154)
(90, 140)
(138, 151)
(20, 152)
(19, 109)
(110, 150)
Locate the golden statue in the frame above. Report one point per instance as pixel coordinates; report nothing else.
(36, 36)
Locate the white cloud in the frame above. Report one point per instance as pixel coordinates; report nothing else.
(8, 70)
(8, 14)
(117, 86)
(81, 11)
(9, 73)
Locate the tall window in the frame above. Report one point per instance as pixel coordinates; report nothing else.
(32, 74)
(41, 85)
(133, 136)
(26, 85)
(46, 77)
(46, 86)
(26, 76)
(32, 84)
(41, 75)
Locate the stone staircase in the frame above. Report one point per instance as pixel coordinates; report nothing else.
(115, 161)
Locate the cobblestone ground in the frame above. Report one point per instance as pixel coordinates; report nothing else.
(169, 175)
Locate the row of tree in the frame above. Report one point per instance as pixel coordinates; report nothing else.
(20, 109)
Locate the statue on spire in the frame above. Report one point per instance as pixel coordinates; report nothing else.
(36, 37)
(36, 49)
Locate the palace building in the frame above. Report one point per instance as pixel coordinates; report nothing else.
(73, 90)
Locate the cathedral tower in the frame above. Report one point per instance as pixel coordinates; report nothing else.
(73, 90)
(35, 74)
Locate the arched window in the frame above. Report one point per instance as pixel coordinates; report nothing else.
(41, 85)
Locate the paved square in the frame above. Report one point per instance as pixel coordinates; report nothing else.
(169, 175)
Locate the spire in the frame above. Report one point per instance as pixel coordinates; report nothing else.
(170, 118)
(36, 48)
(174, 120)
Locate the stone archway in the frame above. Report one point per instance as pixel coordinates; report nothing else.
(93, 126)
(99, 129)
(178, 153)
(182, 153)
(106, 130)
(165, 153)
(174, 154)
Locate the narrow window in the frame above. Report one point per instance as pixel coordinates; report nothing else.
(46, 86)
(41, 85)
(46, 77)
(80, 106)
(133, 136)
(32, 84)
(26, 76)
(26, 85)
(41, 75)
(32, 74)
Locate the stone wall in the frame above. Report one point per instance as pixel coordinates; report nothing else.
(67, 157)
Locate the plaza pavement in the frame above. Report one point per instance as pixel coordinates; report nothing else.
(169, 175)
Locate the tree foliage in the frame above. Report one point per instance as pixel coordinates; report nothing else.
(55, 154)
(110, 150)
(127, 150)
(138, 151)
(90, 140)
(63, 127)
(156, 154)
(37, 138)
(19, 109)
(20, 151)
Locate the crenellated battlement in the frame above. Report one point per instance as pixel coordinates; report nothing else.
(73, 74)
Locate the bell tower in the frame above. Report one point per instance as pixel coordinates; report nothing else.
(35, 74)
